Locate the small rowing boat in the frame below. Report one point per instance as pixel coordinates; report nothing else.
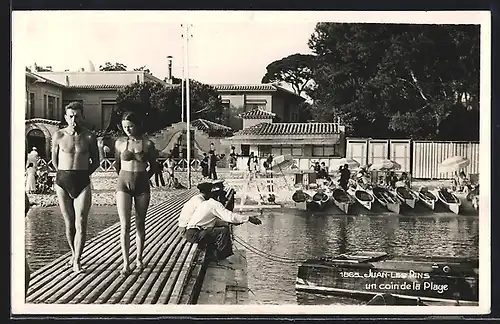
(430, 280)
(385, 198)
(342, 200)
(406, 196)
(362, 196)
(449, 200)
(427, 198)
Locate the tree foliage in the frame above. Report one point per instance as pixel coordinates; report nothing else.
(420, 81)
(143, 68)
(108, 66)
(295, 70)
(160, 105)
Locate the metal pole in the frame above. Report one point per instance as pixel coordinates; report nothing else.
(188, 107)
(182, 82)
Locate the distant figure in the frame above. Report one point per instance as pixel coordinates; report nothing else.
(232, 153)
(204, 165)
(212, 160)
(255, 164)
(175, 151)
(30, 178)
(159, 173)
(345, 175)
(403, 180)
(462, 183)
(268, 163)
(391, 180)
(212, 147)
(317, 169)
(250, 160)
(324, 171)
(170, 165)
(33, 157)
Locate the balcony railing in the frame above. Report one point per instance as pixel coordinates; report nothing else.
(108, 164)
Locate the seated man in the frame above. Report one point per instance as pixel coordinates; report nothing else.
(191, 205)
(203, 229)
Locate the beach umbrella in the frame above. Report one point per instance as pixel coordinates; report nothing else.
(454, 163)
(385, 165)
(352, 163)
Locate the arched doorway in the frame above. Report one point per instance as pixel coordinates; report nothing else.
(36, 138)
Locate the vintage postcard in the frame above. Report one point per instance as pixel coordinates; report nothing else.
(263, 162)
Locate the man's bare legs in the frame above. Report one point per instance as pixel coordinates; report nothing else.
(141, 207)
(124, 206)
(82, 205)
(68, 212)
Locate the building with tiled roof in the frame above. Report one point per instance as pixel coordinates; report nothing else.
(251, 102)
(48, 92)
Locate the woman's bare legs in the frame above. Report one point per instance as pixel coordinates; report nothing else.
(124, 206)
(141, 207)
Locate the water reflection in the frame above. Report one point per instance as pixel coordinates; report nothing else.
(45, 237)
(291, 234)
(299, 235)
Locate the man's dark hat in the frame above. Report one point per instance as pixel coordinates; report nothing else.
(205, 187)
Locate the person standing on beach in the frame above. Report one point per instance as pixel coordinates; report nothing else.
(133, 153)
(212, 161)
(75, 156)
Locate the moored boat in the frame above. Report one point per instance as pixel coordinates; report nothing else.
(362, 196)
(385, 198)
(449, 200)
(406, 196)
(364, 275)
(427, 198)
(342, 200)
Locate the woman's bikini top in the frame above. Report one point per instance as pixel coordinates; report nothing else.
(127, 155)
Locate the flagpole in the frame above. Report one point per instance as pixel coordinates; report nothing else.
(188, 107)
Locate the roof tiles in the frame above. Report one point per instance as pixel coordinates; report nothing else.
(257, 113)
(277, 129)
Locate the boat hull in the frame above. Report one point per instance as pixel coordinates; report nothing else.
(450, 201)
(427, 200)
(406, 196)
(342, 200)
(360, 196)
(392, 204)
(433, 281)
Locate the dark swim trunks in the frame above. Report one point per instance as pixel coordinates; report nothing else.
(73, 181)
(133, 183)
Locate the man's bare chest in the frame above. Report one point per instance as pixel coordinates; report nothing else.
(77, 143)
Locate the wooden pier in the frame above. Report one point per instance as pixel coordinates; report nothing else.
(173, 273)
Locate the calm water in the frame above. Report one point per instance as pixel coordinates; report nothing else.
(291, 234)
(45, 237)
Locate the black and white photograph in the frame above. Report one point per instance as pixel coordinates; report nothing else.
(265, 162)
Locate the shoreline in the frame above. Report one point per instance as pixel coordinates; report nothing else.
(103, 198)
(103, 186)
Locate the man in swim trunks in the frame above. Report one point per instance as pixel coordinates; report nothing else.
(75, 156)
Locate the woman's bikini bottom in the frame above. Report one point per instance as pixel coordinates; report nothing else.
(133, 183)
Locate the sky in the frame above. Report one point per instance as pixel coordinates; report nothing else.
(236, 51)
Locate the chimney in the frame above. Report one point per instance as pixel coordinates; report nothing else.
(169, 73)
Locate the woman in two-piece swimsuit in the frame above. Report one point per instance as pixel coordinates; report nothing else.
(133, 153)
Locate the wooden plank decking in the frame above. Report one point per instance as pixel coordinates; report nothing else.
(170, 276)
